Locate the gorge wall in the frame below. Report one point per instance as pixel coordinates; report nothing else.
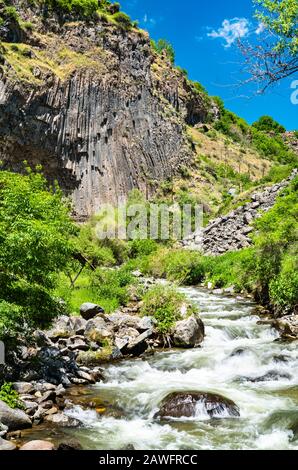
(94, 105)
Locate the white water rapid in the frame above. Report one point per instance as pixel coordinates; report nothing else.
(236, 351)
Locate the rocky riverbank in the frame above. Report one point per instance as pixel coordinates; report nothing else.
(72, 352)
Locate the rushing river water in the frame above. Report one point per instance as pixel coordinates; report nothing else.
(240, 359)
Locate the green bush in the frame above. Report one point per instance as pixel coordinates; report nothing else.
(123, 20)
(112, 286)
(165, 304)
(268, 124)
(10, 396)
(162, 45)
(81, 8)
(141, 248)
(283, 290)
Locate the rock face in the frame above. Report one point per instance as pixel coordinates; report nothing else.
(189, 333)
(231, 232)
(192, 404)
(13, 419)
(108, 117)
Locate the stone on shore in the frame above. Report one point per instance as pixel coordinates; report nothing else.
(14, 419)
(38, 445)
(89, 310)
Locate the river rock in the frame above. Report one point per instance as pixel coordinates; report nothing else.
(70, 444)
(3, 430)
(7, 445)
(288, 326)
(23, 388)
(98, 330)
(78, 325)
(146, 323)
(121, 320)
(61, 419)
(60, 329)
(13, 419)
(188, 333)
(138, 345)
(38, 445)
(89, 310)
(185, 405)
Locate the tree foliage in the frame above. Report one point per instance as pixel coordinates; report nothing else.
(275, 56)
(35, 233)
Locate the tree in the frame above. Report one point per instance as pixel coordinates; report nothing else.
(275, 56)
(35, 232)
(268, 124)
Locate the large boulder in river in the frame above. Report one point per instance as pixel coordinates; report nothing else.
(89, 310)
(13, 419)
(188, 333)
(190, 404)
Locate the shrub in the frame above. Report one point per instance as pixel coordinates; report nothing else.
(268, 124)
(82, 8)
(164, 45)
(283, 290)
(10, 396)
(35, 232)
(166, 305)
(111, 286)
(123, 20)
(141, 248)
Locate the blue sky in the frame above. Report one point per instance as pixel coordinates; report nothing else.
(204, 37)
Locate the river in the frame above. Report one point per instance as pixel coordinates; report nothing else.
(240, 359)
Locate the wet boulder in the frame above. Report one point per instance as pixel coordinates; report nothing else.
(188, 333)
(270, 376)
(138, 345)
(70, 444)
(189, 404)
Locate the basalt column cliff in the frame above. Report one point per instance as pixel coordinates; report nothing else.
(93, 104)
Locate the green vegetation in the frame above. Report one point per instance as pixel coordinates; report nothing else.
(81, 8)
(166, 305)
(264, 135)
(162, 45)
(10, 396)
(35, 231)
(268, 269)
(268, 124)
(123, 20)
(281, 18)
(106, 287)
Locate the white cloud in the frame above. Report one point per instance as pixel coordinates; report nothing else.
(260, 28)
(231, 30)
(149, 21)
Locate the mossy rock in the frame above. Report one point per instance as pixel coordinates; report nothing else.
(94, 358)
